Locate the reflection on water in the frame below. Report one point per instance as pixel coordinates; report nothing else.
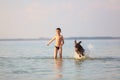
(58, 68)
(63, 69)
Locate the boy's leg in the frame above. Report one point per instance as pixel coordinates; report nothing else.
(60, 52)
(55, 53)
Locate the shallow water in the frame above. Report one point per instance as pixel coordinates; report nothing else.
(33, 60)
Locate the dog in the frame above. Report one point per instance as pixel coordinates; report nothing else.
(79, 50)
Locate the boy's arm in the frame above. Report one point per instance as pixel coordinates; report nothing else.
(62, 41)
(51, 41)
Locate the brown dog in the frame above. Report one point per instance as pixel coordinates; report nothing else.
(79, 50)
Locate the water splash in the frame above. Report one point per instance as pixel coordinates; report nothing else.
(90, 46)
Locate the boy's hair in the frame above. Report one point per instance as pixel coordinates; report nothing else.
(58, 29)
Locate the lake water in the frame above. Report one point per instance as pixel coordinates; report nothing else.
(33, 60)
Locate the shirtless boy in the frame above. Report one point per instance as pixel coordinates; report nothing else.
(59, 41)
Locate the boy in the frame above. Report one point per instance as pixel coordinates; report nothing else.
(59, 41)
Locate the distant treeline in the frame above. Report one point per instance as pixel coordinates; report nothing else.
(66, 38)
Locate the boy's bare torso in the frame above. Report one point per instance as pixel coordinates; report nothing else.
(59, 40)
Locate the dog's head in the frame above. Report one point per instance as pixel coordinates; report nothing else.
(78, 48)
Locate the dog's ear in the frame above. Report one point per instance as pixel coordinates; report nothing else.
(80, 42)
(75, 42)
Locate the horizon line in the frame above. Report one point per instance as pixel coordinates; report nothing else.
(66, 38)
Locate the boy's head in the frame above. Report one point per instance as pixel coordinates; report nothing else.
(58, 29)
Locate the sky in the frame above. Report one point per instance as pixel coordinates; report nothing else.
(40, 18)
